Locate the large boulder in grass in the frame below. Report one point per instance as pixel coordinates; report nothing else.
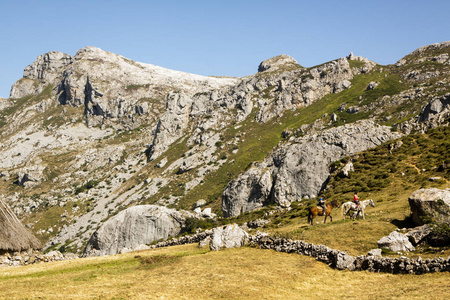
(229, 236)
(429, 205)
(396, 241)
(134, 227)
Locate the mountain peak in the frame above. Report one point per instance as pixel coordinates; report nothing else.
(276, 62)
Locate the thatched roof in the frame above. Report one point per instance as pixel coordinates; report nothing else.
(13, 235)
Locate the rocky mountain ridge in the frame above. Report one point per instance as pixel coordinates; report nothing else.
(84, 137)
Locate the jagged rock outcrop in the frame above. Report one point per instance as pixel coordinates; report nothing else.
(133, 227)
(426, 53)
(28, 177)
(113, 89)
(418, 234)
(277, 62)
(436, 112)
(429, 205)
(46, 69)
(301, 168)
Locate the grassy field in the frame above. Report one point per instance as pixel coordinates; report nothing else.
(187, 272)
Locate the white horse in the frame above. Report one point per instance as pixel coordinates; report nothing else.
(348, 206)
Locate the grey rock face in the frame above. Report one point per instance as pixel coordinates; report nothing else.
(46, 69)
(230, 236)
(417, 234)
(48, 66)
(257, 223)
(133, 227)
(248, 192)
(345, 261)
(28, 177)
(430, 204)
(396, 241)
(300, 169)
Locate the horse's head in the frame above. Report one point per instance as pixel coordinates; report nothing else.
(334, 203)
(371, 203)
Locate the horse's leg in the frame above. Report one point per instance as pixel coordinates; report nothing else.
(325, 218)
(362, 211)
(331, 218)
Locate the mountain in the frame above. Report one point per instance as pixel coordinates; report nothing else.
(85, 137)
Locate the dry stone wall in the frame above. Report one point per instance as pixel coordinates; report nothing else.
(341, 260)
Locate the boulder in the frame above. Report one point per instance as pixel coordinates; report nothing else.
(28, 177)
(375, 252)
(345, 261)
(333, 117)
(430, 205)
(347, 169)
(229, 236)
(418, 234)
(200, 203)
(257, 223)
(134, 227)
(371, 86)
(162, 163)
(207, 213)
(205, 242)
(396, 241)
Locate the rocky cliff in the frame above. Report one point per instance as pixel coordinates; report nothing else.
(300, 168)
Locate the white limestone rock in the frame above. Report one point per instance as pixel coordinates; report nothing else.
(134, 227)
(430, 204)
(395, 242)
(247, 192)
(229, 236)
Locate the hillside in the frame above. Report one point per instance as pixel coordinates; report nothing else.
(87, 136)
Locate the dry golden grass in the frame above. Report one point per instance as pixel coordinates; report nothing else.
(357, 237)
(187, 272)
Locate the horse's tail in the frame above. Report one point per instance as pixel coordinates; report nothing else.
(309, 217)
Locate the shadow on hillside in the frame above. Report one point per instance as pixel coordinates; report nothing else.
(406, 223)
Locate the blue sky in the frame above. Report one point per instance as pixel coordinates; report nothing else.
(228, 38)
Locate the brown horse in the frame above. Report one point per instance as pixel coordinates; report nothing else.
(315, 211)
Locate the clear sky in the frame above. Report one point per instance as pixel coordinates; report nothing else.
(207, 37)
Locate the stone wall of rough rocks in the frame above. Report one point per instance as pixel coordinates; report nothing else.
(32, 257)
(334, 258)
(341, 260)
(186, 239)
